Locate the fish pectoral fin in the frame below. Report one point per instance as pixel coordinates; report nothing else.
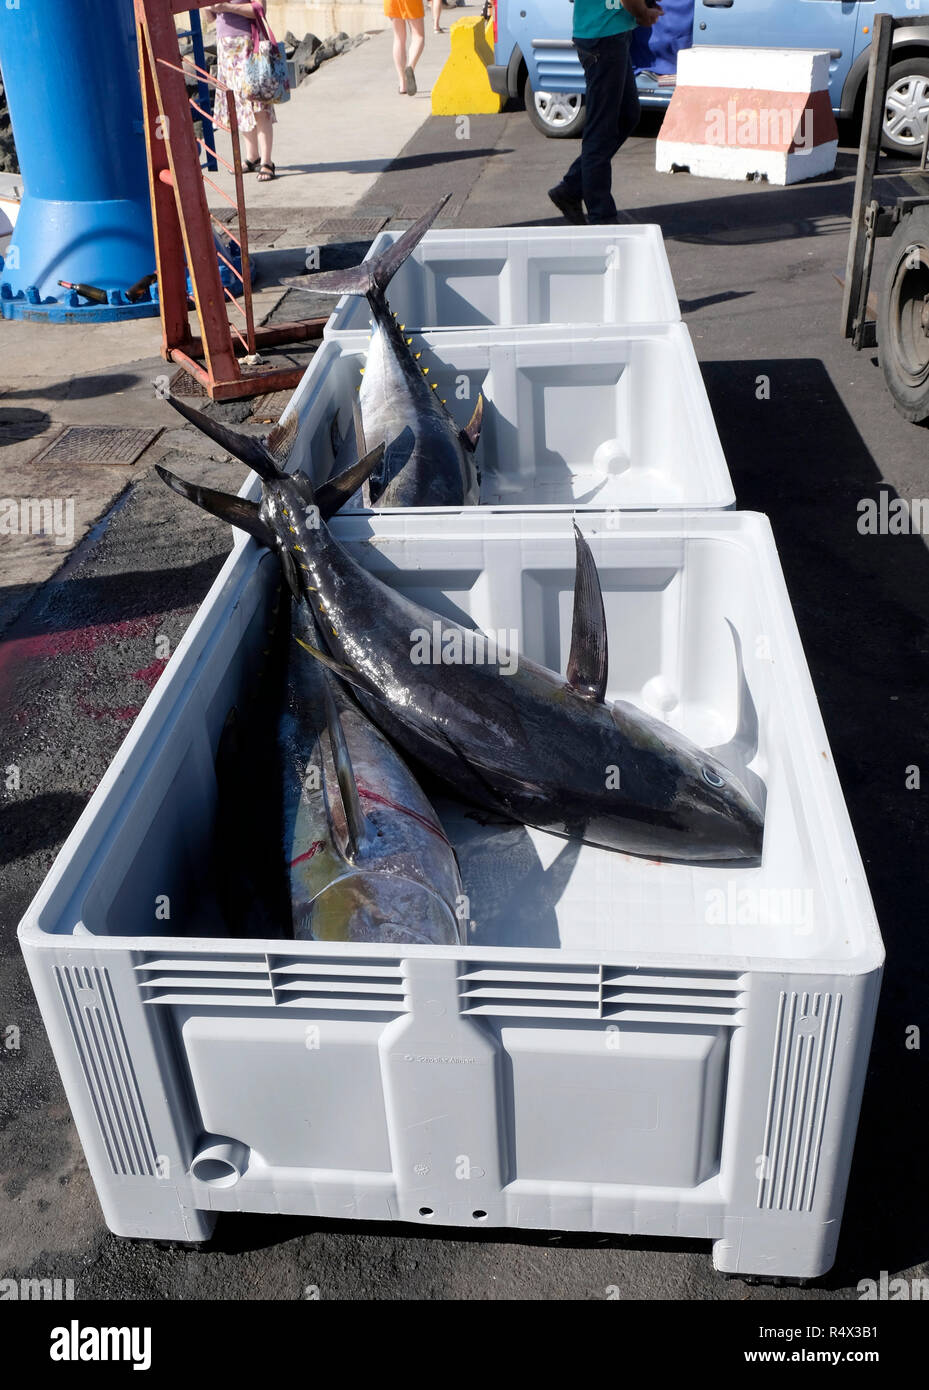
(289, 566)
(247, 448)
(472, 430)
(333, 494)
(588, 661)
(356, 824)
(345, 673)
(238, 511)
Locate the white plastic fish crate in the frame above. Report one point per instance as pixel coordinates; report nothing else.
(572, 418)
(515, 277)
(619, 1046)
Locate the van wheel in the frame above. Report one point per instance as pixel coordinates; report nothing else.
(906, 110)
(903, 317)
(559, 115)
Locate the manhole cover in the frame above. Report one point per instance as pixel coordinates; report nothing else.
(264, 236)
(91, 444)
(351, 226)
(267, 410)
(183, 384)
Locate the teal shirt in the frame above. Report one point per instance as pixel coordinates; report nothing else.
(596, 19)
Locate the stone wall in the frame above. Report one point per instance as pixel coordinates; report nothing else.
(301, 16)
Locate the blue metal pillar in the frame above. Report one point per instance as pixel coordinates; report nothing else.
(71, 73)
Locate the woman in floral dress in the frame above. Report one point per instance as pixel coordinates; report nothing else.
(255, 118)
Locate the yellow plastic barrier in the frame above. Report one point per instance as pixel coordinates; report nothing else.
(463, 87)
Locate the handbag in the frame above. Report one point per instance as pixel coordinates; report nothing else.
(264, 72)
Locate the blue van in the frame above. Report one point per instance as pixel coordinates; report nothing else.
(536, 61)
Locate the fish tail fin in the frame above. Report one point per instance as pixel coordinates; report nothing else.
(371, 278)
(238, 511)
(247, 448)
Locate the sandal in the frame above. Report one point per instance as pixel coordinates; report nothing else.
(410, 82)
(250, 165)
(266, 173)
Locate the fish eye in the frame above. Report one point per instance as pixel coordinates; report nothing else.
(713, 778)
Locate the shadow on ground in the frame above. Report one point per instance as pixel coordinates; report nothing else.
(862, 606)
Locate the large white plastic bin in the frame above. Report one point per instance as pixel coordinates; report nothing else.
(572, 419)
(621, 1045)
(513, 277)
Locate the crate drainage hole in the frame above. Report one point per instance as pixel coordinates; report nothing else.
(215, 1171)
(426, 1211)
(220, 1163)
(479, 1215)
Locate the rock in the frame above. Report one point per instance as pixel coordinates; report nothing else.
(305, 50)
(359, 38)
(336, 43)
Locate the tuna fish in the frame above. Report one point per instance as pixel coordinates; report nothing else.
(438, 470)
(368, 859)
(502, 731)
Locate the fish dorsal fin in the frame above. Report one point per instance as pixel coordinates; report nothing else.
(335, 436)
(330, 496)
(587, 664)
(472, 430)
(356, 825)
(281, 440)
(236, 510)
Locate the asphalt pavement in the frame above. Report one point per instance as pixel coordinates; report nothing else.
(754, 268)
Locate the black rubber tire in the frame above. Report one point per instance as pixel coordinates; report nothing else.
(903, 317)
(570, 130)
(917, 68)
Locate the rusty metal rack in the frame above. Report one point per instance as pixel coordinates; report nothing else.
(225, 356)
(870, 220)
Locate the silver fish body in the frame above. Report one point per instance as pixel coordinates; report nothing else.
(503, 731)
(390, 877)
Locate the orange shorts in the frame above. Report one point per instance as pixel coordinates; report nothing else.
(403, 9)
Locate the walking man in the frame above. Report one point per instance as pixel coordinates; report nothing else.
(603, 32)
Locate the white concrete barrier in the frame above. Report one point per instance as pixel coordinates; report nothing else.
(741, 112)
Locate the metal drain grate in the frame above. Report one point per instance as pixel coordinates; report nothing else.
(93, 444)
(183, 384)
(264, 236)
(351, 226)
(267, 410)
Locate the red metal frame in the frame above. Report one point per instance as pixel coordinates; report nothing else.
(183, 224)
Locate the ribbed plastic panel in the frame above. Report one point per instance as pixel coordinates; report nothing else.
(104, 1057)
(602, 992)
(273, 981)
(804, 1052)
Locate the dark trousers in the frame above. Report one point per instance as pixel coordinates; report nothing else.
(612, 115)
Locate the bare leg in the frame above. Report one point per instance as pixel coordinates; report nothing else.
(250, 145)
(436, 16)
(400, 52)
(265, 134)
(417, 41)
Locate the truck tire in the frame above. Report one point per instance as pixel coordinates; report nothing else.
(907, 107)
(558, 115)
(903, 317)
